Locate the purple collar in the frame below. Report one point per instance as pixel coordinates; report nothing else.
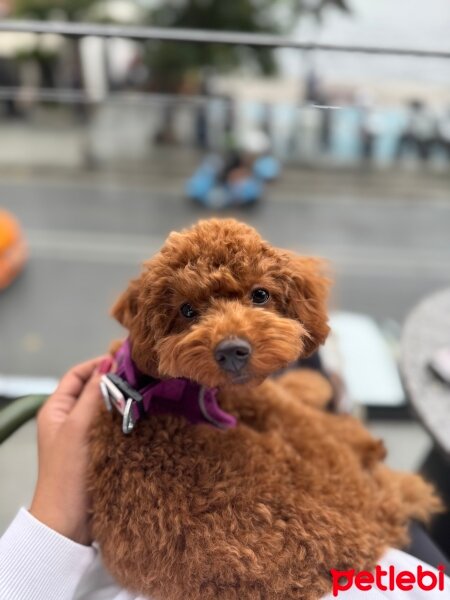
(135, 395)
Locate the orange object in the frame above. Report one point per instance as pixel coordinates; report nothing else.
(13, 249)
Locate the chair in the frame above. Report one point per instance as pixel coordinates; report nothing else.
(16, 413)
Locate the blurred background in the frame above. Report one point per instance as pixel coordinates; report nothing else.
(332, 148)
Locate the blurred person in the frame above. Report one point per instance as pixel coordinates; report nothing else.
(201, 113)
(266, 121)
(165, 134)
(9, 78)
(237, 175)
(201, 126)
(315, 94)
(420, 133)
(239, 161)
(370, 130)
(229, 127)
(326, 127)
(444, 131)
(137, 74)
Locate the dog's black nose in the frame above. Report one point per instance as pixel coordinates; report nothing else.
(232, 355)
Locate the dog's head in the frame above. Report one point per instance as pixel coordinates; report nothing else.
(220, 306)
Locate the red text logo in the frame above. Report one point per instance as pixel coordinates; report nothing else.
(387, 580)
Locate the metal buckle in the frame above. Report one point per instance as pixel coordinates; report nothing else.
(118, 394)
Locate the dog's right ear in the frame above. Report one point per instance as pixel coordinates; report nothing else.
(126, 307)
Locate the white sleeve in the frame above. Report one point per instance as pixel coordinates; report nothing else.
(37, 563)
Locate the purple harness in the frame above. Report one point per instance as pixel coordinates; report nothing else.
(135, 395)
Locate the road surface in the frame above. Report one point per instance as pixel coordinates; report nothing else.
(87, 239)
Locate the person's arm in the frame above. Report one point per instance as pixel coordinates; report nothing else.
(46, 550)
(37, 563)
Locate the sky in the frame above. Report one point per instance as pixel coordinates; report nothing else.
(421, 24)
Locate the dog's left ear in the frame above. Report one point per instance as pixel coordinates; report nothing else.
(307, 298)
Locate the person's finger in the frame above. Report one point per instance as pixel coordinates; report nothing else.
(89, 402)
(74, 380)
(72, 384)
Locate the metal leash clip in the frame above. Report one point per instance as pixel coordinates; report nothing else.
(119, 394)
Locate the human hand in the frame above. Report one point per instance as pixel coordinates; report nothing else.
(60, 499)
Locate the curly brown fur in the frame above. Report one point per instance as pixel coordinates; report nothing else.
(214, 267)
(264, 510)
(308, 385)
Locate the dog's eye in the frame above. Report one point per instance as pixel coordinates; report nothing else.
(188, 311)
(260, 296)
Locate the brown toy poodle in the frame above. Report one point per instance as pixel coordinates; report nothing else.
(183, 509)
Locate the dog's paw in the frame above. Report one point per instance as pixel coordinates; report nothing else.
(308, 386)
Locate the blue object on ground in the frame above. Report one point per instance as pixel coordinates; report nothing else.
(266, 168)
(206, 188)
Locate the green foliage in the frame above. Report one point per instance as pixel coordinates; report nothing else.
(170, 61)
(221, 15)
(43, 9)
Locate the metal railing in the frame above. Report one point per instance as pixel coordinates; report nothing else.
(203, 36)
(71, 96)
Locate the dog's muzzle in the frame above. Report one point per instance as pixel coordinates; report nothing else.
(232, 354)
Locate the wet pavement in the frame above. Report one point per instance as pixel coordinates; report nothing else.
(87, 238)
